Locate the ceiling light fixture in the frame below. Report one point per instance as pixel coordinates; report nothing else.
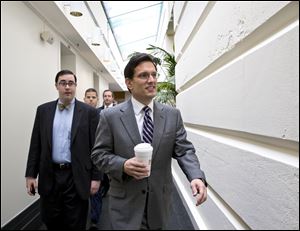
(76, 9)
(73, 8)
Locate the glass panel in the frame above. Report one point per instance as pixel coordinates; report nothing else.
(115, 8)
(137, 46)
(134, 24)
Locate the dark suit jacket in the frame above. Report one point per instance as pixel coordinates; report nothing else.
(99, 109)
(84, 124)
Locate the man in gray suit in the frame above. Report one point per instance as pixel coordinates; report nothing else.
(135, 200)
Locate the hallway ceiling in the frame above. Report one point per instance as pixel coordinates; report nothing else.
(134, 24)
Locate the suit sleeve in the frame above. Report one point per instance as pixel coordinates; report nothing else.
(102, 154)
(96, 173)
(32, 168)
(185, 153)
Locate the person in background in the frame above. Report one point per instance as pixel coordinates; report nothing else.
(59, 155)
(108, 99)
(137, 201)
(91, 98)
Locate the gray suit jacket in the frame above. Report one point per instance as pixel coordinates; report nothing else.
(116, 136)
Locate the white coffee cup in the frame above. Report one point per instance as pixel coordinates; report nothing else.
(143, 153)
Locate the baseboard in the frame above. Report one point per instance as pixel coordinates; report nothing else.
(188, 211)
(29, 219)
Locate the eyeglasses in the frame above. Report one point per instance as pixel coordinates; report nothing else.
(146, 75)
(64, 83)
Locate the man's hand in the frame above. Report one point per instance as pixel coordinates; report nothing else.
(31, 185)
(95, 185)
(199, 191)
(136, 169)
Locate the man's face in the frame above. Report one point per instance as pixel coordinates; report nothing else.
(91, 98)
(143, 83)
(108, 98)
(66, 87)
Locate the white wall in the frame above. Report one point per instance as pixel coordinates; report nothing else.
(238, 78)
(85, 80)
(28, 69)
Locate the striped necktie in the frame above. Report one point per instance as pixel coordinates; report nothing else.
(147, 126)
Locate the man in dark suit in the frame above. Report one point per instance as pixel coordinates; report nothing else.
(59, 154)
(91, 98)
(108, 100)
(136, 200)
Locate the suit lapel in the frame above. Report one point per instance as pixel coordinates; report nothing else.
(129, 123)
(76, 119)
(159, 126)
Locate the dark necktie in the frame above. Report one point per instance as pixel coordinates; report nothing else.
(147, 126)
(61, 106)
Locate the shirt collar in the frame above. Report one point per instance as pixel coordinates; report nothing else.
(72, 102)
(111, 105)
(138, 107)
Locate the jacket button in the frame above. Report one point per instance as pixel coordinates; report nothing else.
(143, 191)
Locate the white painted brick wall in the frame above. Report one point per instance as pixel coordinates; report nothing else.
(238, 77)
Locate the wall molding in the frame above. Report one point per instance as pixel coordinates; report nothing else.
(28, 219)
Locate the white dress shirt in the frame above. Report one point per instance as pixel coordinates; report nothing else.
(139, 113)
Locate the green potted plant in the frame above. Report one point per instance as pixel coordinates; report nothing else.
(166, 90)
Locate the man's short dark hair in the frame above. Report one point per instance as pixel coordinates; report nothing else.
(135, 61)
(107, 91)
(91, 90)
(65, 72)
